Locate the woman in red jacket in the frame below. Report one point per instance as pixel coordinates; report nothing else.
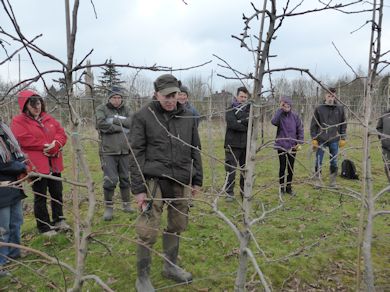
(42, 137)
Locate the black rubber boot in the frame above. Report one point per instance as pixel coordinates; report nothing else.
(332, 177)
(143, 284)
(108, 206)
(317, 179)
(229, 197)
(289, 190)
(126, 204)
(171, 251)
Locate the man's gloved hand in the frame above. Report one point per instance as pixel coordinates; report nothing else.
(342, 143)
(52, 149)
(314, 144)
(120, 117)
(109, 120)
(297, 147)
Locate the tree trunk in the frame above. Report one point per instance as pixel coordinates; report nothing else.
(367, 196)
(253, 134)
(239, 285)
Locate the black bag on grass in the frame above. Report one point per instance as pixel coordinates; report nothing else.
(348, 169)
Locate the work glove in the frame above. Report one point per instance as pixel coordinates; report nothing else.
(118, 120)
(52, 149)
(120, 117)
(297, 147)
(314, 144)
(342, 143)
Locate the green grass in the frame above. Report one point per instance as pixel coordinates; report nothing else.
(309, 244)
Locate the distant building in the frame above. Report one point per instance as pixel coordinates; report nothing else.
(219, 102)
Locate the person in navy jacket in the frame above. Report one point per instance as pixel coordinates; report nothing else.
(11, 214)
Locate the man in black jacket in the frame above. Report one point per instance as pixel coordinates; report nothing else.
(237, 116)
(328, 129)
(165, 168)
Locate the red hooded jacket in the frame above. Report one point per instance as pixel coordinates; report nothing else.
(33, 134)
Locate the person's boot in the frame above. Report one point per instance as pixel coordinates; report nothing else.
(229, 198)
(126, 204)
(171, 251)
(317, 179)
(108, 206)
(143, 284)
(289, 190)
(282, 189)
(332, 177)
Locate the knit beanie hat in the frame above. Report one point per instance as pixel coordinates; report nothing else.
(184, 89)
(115, 90)
(287, 100)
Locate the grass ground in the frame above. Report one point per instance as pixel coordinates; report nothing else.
(310, 244)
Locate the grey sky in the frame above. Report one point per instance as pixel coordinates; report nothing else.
(170, 33)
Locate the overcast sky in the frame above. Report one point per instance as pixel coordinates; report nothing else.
(171, 33)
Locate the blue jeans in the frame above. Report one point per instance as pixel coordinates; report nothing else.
(333, 150)
(11, 220)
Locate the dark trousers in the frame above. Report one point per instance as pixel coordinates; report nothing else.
(286, 160)
(41, 213)
(234, 157)
(116, 168)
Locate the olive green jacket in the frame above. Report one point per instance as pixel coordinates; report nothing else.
(165, 145)
(113, 125)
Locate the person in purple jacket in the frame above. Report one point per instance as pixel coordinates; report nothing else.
(289, 136)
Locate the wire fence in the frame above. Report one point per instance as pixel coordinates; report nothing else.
(209, 109)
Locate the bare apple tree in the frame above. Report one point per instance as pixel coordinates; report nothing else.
(270, 21)
(377, 62)
(82, 224)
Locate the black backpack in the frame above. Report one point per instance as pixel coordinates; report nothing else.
(348, 169)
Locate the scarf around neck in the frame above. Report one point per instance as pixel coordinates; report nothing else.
(8, 144)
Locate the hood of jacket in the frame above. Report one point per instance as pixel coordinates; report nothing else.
(23, 97)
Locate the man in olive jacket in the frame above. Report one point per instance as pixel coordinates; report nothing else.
(113, 123)
(166, 169)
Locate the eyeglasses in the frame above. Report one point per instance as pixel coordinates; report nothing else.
(35, 101)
